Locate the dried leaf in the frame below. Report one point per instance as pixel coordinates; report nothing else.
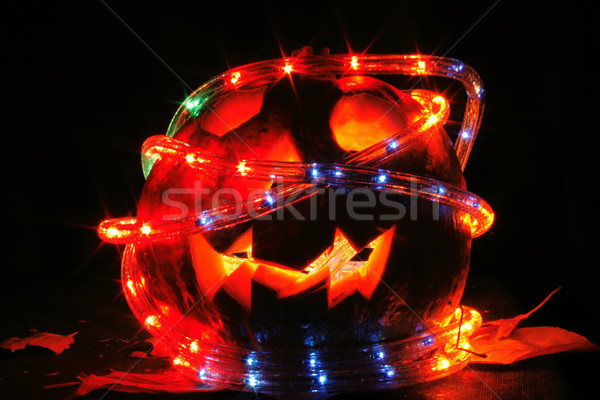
(503, 343)
(52, 341)
(138, 354)
(501, 328)
(524, 343)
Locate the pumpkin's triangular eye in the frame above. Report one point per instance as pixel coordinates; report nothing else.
(243, 244)
(232, 110)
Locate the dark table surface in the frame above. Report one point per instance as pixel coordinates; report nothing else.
(107, 334)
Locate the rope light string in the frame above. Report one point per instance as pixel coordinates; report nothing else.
(353, 173)
(438, 352)
(435, 352)
(307, 178)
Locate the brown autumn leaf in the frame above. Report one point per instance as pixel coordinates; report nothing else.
(56, 343)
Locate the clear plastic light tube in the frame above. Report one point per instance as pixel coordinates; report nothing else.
(306, 180)
(435, 351)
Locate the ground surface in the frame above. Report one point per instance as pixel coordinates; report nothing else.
(107, 334)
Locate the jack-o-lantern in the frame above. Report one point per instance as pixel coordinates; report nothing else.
(303, 208)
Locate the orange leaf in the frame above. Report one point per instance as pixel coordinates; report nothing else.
(524, 343)
(52, 341)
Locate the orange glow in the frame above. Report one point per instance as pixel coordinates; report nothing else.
(438, 103)
(441, 363)
(437, 107)
(458, 313)
(194, 347)
(233, 109)
(242, 169)
(287, 69)
(193, 158)
(352, 116)
(146, 230)
(164, 309)
(178, 361)
(209, 279)
(113, 232)
(464, 345)
(151, 320)
(365, 278)
(130, 286)
(235, 77)
(431, 122)
(239, 283)
(466, 327)
(157, 151)
(465, 218)
(354, 62)
(117, 230)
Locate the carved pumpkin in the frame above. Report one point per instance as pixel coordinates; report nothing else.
(314, 120)
(314, 272)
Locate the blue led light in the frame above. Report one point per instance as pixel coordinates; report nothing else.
(312, 362)
(322, 379)
(380, 354)
(382, 178)
(252, 381)
(393, 145)
(249, 361)
(315, 173)
(390, 372)
(441, 190)
(428, 341)
(338, 173)
(203, 221)
(466, 134)
(202, 374)
(270, 200)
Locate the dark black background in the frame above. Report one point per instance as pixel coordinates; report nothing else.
(81, 93)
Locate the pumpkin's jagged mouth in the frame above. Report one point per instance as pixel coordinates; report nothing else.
(344, 269)
(341, 252)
